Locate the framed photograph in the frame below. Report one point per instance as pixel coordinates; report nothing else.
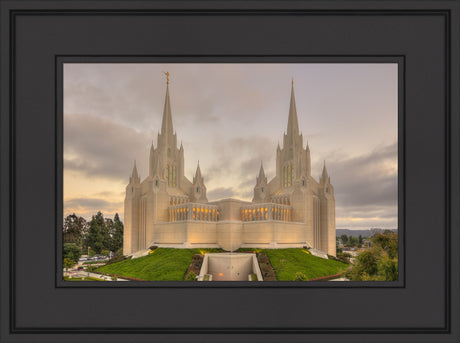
(219, 166)
(251, 209)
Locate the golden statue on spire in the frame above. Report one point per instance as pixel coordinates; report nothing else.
(293, 81)
(167, 77)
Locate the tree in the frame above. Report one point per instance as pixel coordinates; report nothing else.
(96, 233)
(67, 263)
(117, 235)
(344, 239)
(74, 229)
(72, 252)
(107, 233)
(360, 240)
(380, 262)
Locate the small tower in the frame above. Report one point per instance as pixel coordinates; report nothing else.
(289, 157)
(134, 179)
(308, 161)
(199, 189)
(324, 176)
(327, 200)
(131, 234)
(261, 189)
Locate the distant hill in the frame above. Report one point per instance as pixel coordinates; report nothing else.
(363, 233)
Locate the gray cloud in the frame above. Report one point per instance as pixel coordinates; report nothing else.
(366, 186)
(100, 147)
(220, 193)
(88, 207)
(366, 179)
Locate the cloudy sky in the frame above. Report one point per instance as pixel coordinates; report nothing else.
(231, 117)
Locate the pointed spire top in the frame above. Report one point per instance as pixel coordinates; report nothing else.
(198, 179)
(167, 125)
(135, 175)
(324, 176)
(261, 171)
(293, 123)
(198, 171)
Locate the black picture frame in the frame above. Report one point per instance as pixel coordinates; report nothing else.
(38, 36)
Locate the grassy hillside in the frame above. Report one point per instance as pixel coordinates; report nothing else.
(288, 262)
(164, 264)
(168, 264)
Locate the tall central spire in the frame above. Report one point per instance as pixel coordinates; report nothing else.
(166, 125)
(293, 124)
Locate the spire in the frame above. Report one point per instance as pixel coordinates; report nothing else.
(198, 178)
(324, 175)
(198, 170)
(293, 123)
(166, 125)
(261, 171)
(135, 176)
(261, 179)
(151, 159)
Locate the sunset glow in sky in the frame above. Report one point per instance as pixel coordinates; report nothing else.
(231, 117)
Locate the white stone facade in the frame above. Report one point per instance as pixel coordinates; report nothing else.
(167, 209)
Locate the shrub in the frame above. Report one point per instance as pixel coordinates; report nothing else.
(116, 258)
(71, 251)
(299, 276)
(380, 262)
(91, 268)
(153, 247)
(191, 277)
(67, 263)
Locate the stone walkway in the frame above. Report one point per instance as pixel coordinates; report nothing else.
(93, 275)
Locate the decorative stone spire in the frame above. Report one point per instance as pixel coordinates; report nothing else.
(308, 160)
(198, 179)
(293, 123)
(199, 189)
(135, 176)
(324, 175)
(167, 125)
(261, 178)
(260, 190)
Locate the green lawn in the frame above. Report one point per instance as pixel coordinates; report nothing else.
(164, 264)
(168, 264)
(287, 262)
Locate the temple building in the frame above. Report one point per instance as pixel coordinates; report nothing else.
(166, 209)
